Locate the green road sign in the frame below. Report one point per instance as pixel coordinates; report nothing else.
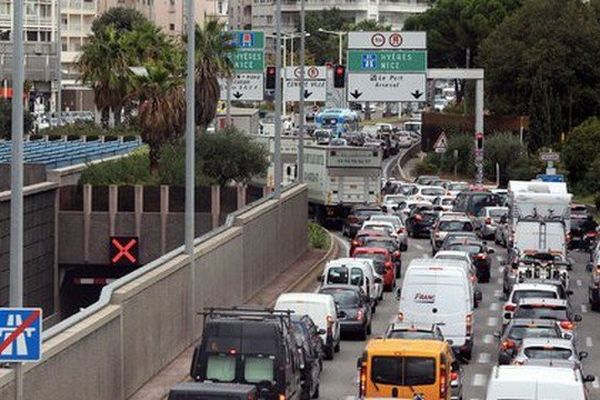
(248, 39)
(248, 60)
(387, 61)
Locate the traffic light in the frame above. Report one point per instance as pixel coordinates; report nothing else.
(271, 72)
(339, 76)
(479, 141)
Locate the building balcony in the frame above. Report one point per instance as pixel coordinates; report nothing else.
(78, 7)
(403, 6)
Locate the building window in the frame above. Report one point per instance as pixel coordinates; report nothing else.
(171, 27)
(269, 19)
(32, 36)
(5, 8)
(45, 36)
(64, 46)
(5, 35)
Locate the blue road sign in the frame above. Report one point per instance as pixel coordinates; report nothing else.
(551, 178)
(20, 334)
(369, 61)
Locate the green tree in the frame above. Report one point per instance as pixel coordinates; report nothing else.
(161, 111)
(550, 71)
(122, 19)
(230, 155)
(6, 119)
(581, 148)
(213, 48)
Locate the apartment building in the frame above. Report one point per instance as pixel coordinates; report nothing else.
(390, 12)
(240, 14)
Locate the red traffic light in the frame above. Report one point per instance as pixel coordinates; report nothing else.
(340, 76)
(270, 70)
(339, 70)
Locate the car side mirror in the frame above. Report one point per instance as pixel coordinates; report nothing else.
(321, 331)
(455, 366)
(359, 362)
(478, 295)
(398, 293)
(583, 355)
(567, 336)
(589, 267)
(577, 318)
(589, 378)
(491, 251)
(341, 314)
(397, 254)
(569, 292)
(384, 208)
(450, 342)
(378, 280)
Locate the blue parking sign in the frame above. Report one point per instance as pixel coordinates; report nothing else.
(245, 39)
(20, 334)
(369, 61)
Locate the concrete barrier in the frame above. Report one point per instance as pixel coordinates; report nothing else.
(142, 323)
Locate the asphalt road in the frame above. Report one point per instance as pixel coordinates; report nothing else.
(339, 377)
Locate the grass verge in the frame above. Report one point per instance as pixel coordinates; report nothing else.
(318, 238)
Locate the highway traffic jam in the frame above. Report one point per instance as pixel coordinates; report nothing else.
(443, 290)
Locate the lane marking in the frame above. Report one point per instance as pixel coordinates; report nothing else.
(479, 380)
(500, 281)
(488, 339)
(498, 293)
(579, 282)
(583, 308)
(500, 259)
(492, 321)
(595, 384)
(418, 246)
(500, 270)
(484, 358)
(494, 307)
(588, 342)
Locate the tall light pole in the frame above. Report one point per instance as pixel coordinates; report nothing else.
(16, 176)
(190, 117)
(300, 151)
(277, 166)
(340, 35)
(59, 62)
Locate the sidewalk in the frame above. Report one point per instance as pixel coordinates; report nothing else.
(299, 277)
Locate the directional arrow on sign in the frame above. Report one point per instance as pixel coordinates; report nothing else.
(416, 94)
(307, 94)
(356, 94)
(237, 95)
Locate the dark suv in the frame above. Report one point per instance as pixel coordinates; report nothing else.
(212, 391)
(252, 346)
(356, 217)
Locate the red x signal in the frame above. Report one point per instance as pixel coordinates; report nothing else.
(124, 251)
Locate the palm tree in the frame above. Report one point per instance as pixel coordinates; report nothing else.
(161, 110)
(213, 47)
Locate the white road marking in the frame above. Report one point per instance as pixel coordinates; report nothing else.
(479, 380)
(484, 358)
(500, 269)
(583, 308)
(425, 255)
(418, 246)
(499, 280)
(595, 384)
(588, 342)
(500, 259)
(498, 293)
(492, 321)
(579, 282)
(494, 307)
(487, 339)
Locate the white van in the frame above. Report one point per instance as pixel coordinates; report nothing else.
(436, 292)
(529, 382)
(321, 309)
(355, 272)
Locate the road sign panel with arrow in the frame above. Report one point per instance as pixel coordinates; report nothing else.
(386, 87)
(244, 87)
(313, 90)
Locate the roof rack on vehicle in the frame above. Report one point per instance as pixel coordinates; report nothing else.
(248, 311)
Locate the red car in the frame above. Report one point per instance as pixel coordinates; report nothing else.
(384, 265)
(358, 240)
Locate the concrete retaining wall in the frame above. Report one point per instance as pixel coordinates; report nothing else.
(151, 319)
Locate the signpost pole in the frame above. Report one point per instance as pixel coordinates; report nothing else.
(229, 123)
(16, 177)
(190, 115)
(479, 127)
(300, 157)
(277, 140)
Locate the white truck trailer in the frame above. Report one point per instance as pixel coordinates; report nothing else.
(339, 177)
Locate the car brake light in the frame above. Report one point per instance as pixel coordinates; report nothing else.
(469, 320)
(508, 344)
(481, 256)
(282, 397)
(329, 325)
(454, 376)
(488, 221)
(437, 235)
(352, 219)
(360, 315)
(443, 381)
(401, 230)
(362, 388)
(473, 278)
(355, 243)
(510, 307)
(418, 217)
(568, 325)
(388, 264)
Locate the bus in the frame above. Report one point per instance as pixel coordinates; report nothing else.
(340, 120)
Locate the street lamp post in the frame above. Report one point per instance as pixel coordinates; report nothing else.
(300, 151)
(277, 165)
(340, 35)
(58, 63)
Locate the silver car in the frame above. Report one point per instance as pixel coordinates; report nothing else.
(488, 219)
(548, 349)
(396, 221)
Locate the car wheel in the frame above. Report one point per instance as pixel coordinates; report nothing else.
(363, 334)
(316, 393)
(369, 329)
(328, 353)
(337, 347)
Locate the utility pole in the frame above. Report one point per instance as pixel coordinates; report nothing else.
(58, 62)
(277, 166)
(190, 134)
(300, 152)
(16, 177)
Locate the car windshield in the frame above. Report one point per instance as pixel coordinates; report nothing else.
(394, 199)
(453, 226)
(497, 213)
(384, 218)
(221, 368)
(337, 275)
(458, 186)
(366, 213)
(403, 371)
(518, 332)
(380, 228)
(411, 334)
(343, 297)
(542, 312)
(258, 369)
(432, 192)
(377, 257)
(380, 243)
(447, 202)
(542, 352)
(471, 249)
(529, 294)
